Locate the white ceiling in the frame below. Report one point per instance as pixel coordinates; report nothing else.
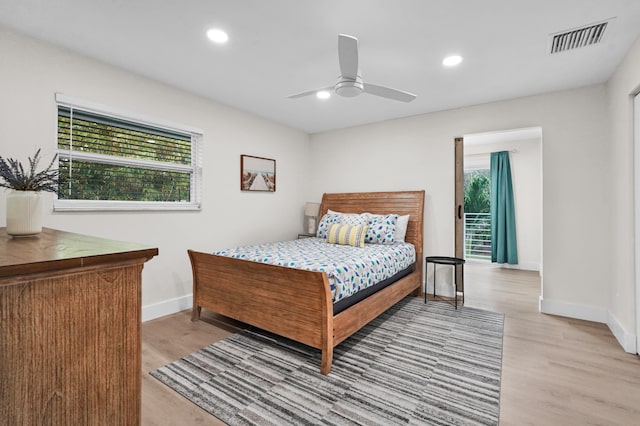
(281, 47)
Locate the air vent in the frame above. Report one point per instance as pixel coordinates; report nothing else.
(579, 37)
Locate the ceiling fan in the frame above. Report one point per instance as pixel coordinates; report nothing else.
(350, 82)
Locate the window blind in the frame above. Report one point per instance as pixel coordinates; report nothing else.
(106, 159)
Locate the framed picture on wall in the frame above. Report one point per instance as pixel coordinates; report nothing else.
(257, 174)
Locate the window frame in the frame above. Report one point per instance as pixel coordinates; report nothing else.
(194, 169)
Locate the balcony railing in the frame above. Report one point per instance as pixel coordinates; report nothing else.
(477, 236)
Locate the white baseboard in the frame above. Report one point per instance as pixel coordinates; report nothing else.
(443, 289)
(591, 313)
(167, 307)
(563, 309)
(626, 339)
(526, 266)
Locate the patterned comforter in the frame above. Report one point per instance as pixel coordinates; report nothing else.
(349, 269)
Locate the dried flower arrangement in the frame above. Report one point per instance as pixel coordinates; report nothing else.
(14, 176)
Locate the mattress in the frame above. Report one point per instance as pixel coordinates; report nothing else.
(349, 269)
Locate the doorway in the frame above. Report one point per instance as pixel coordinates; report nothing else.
(525, 147)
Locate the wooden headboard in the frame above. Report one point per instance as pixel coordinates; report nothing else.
(402, 203)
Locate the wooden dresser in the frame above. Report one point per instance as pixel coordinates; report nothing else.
(70, 329)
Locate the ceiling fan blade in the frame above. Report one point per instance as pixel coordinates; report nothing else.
(348, 56)
(387, 92)
(310, 92)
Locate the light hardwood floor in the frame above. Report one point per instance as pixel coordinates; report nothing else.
(556, 371)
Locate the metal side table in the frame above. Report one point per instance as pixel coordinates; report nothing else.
(452, 261)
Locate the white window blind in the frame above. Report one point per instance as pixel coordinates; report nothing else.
(113, 162)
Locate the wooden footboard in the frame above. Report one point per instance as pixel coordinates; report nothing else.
(290, 302)
(295, 303)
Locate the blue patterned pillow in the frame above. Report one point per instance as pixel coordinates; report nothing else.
(325, 223)
(339, 219)
(382, 228)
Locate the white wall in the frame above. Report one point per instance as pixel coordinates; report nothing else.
(417, 153)
(32, 72)
(621, 288)
(587, 168)
(526, 177)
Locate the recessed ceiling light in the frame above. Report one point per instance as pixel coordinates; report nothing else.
(452, 61)
(217, 36)
(323, 94)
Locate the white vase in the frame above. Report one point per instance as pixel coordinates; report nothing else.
(24, 213)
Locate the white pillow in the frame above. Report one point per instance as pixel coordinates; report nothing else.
(353, 219)
(332, 217)
(401, 228)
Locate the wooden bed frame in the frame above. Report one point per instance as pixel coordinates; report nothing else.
(295, 303)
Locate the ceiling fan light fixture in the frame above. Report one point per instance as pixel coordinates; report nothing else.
(348, 91)
(323, 94)
(349, 88)
(217, 36)
(452, 60)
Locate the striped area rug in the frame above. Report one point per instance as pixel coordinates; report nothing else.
(416, 364)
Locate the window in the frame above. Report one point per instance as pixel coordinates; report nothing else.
(110, 162)
(477, 214)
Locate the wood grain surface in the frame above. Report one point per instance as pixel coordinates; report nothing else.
(70, 335)
(57, 250)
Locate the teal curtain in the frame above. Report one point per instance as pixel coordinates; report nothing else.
(503, 217)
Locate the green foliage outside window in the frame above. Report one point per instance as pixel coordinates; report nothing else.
(477, 192)
(95, 181)
(103, 177)
(477, 206)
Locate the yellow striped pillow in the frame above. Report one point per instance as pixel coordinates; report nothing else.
(352, 235)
